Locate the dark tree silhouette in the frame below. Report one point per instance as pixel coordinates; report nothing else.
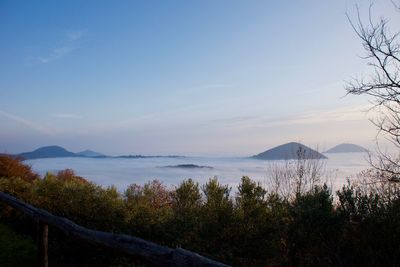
(382, 47)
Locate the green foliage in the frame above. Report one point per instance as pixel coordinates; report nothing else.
(186, 203)
(16, 186)
(217, 195)
(313, 229)
(148, 210)
(357, 205)
(258, 219)
(371, 230)
(250, 198)
(187, 196)
(85, 203)
(215, 219)
(16, 250)
(251, 228)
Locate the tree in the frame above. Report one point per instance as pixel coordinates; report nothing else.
(215, 218)
(292, 177)
(382, 49)
(186, 204)
(14, 167)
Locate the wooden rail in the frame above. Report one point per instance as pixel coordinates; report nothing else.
(147, 251)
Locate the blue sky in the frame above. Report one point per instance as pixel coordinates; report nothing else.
(180, 77)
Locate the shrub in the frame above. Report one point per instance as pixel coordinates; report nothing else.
(371, 232)
(314, 229)
(148, 210)
(251, 218)
(215, 219)
(253, 228)
(186, 204)
(16, 250)
(13, 167)
(68, 175)
(85, 203)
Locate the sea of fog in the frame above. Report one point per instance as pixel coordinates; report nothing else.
(122, 172)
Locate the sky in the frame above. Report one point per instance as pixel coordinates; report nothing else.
(211, 78)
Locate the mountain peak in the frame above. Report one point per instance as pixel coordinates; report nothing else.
(90, 153)
(48, 152)
(53, 148)
(289, 151)
(347, 148)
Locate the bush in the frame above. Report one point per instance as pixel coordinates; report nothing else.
(13, 167)
(252, 228)
(16, 250)
(215, 219)
(314, 229)
(371, 232)
(85, 203)
(257, 221)
(148, 210)
(186, 204)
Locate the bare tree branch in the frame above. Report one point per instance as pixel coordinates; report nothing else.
(383, 55)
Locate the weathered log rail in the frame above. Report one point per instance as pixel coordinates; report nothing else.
(130, 245)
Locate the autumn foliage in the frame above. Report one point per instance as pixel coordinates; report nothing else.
(357, 226)
(13, 167)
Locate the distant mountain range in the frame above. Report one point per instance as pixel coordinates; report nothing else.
(60, 152)
(285, 151)
(289, 151)
(346, 148)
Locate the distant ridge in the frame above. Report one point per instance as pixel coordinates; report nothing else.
(48, 152)
(289, 151)
(60, 152)
(346, 148)
(145, 157)
(91, 154)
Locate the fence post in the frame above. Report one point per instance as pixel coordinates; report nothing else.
(43, 243)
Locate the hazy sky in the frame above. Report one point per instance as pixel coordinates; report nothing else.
(181, 77)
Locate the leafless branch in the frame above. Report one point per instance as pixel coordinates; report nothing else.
(383, 55)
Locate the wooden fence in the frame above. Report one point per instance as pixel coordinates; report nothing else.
(147, 251)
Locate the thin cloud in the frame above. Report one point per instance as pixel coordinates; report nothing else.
(204, 87)
(340, 114)
(215, 86)
(235, 120)
(26, 122)
(353, 113)
(57, 53)
(66, 47)
(75, 35)
(66, 116)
